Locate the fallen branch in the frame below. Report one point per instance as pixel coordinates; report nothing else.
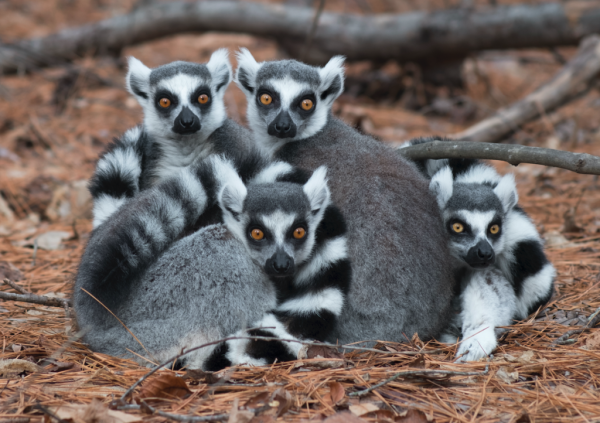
(572, 80)
(416, 36)
(513, 154)
(28, 297)
(426, 373)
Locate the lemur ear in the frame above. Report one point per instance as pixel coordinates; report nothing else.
(441, 186)
(248, 67)
(220, 69)
(506, 190)
(232, 196)
(138, 79)
(332, 79)
(316, 189)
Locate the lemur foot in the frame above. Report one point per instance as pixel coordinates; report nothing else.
(477, 344)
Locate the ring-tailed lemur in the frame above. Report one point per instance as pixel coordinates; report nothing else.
(292, 231)
(298, 238)
(184, 120)
(402, 281)
(503, 272)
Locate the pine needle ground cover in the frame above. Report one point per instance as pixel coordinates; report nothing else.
(55, 122)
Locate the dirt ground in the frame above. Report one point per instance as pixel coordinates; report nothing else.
(55, 122)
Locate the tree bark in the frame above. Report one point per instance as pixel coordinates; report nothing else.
(416, 36)
(573, 79)
(513, 154)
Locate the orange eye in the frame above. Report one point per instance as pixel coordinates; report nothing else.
(257, 234)
(164, 102)
(457, 227)
(494, 229)
(266, 99)
(307, 104)
(203, 99)
(299, 233)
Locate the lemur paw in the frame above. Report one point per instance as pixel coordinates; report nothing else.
(477, 344)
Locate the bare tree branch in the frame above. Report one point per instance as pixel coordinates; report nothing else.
(572, 80)
(513, 154)
(416, 36)
(28, 297)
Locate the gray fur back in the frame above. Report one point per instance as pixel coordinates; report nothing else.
(402, 281)
(203, 288)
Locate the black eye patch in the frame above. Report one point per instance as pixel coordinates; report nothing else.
(195, 97)
(297, 104)
(164, 94)
(275, 100)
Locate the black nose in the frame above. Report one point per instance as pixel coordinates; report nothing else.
(280, 264)
(186, 118)
(485, 252)
(480, 255)
(187, 122)
(283, 126)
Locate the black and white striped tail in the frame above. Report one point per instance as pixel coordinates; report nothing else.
(117, 175)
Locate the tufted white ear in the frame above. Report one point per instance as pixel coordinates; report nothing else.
(138, 80)
(220, 69)
(506, 190)
(332, 79)
(441, 186)
(316, 190)
(248, 67)
(232, 196)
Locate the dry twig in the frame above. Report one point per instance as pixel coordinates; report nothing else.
(28, 297)
(513, 154)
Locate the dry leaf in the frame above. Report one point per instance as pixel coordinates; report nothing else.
(283, 399)
(412, 416)
(95, 412)
(567, 390)
(52, 240)
(344, 417)
(506, 376)
(16, 348)
(201, 375)
(335, 395)
(257, 401)
(165, 386)
(239, 416)
(593, 341)
(8, 271)
(16, 366)
(363, 408)
(59, 366)
(527, 357)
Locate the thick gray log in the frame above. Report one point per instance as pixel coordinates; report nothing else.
(513, 154)
(406, 37)
(573, 79)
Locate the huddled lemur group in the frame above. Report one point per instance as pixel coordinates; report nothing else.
(300, 228)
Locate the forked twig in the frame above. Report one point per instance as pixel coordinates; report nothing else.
(28, 297)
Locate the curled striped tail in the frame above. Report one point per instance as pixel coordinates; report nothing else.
(117, 175)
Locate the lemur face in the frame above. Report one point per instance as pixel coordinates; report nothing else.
(474, 215)
(181, 100)
(277, 222)
(288, 100)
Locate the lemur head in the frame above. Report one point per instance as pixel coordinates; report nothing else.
(181, 100)
(276, 221)
(288, 100)
(474, 209)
